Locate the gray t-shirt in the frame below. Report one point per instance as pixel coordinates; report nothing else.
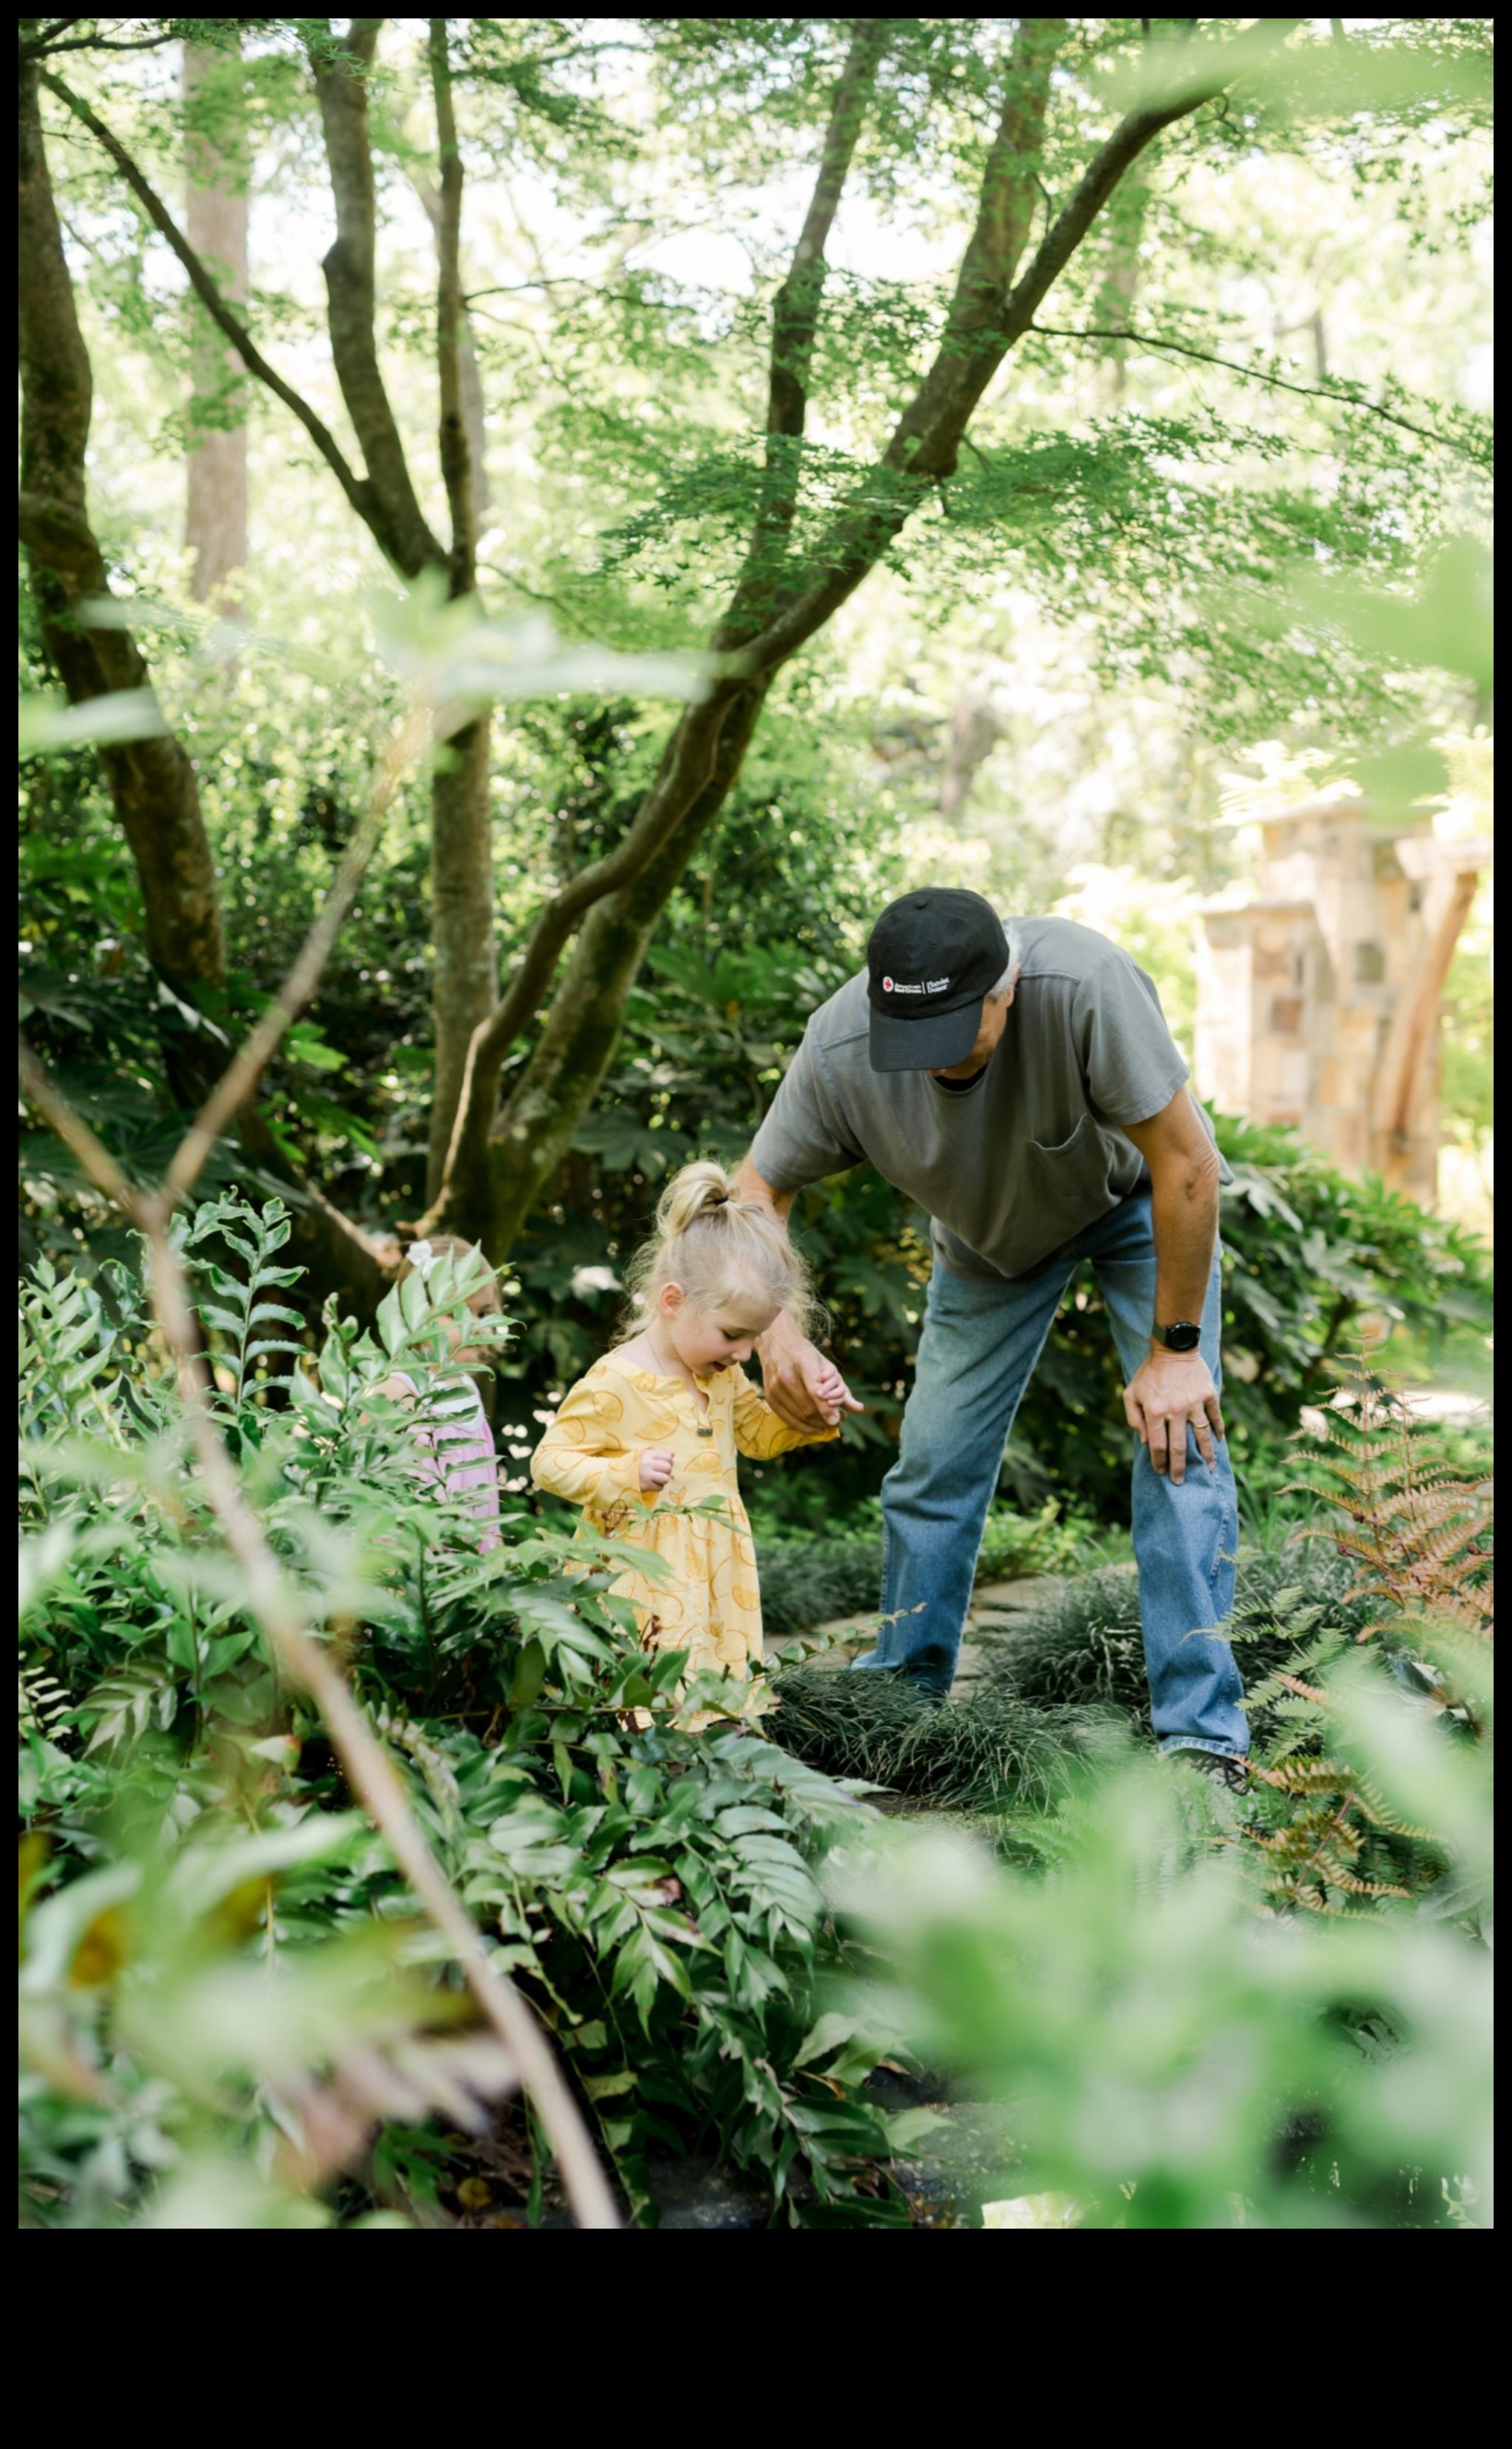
(1031, 1153)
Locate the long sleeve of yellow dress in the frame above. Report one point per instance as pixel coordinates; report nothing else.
(758, 1433)
(583, 1455)
(706, 1600)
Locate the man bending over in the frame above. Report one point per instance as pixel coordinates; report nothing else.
(1022, 1086)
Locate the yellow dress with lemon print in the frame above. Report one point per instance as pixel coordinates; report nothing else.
(709, 1602)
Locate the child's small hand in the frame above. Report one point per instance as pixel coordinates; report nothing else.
(655, 1467)
(828, 1386)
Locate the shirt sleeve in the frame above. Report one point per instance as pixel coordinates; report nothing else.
(760, 1435)
(805, 1134)
(582, 1458)
(1131, 1065)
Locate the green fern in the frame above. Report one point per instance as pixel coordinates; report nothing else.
(236, 1310)
(139, 1698)
(1414, 1539)
(69, 1371)
(43, 1706)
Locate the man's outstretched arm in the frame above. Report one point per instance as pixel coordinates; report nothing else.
(1173, 1391)
(800, 1384)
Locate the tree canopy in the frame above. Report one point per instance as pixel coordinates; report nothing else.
(860, 357)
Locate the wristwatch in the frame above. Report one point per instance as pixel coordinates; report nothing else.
(1181, 1336)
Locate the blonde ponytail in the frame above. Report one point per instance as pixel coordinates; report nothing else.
(700, 1190)
(719, 1247)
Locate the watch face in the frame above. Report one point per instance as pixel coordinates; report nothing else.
(1183, 1337)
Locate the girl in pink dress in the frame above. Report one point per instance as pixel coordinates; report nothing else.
(452, 1440)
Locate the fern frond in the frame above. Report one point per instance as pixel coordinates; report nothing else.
(42, 1704)
(124, 1707)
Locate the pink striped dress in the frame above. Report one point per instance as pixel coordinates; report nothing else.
(456, 1453)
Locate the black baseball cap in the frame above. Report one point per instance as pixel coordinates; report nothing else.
(931, 959)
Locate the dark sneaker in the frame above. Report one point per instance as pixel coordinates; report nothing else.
(1227, 1769)
(932, 1695)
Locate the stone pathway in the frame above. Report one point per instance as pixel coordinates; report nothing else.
(995, 1605)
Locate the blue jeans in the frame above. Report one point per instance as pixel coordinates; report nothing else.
(978, 1350)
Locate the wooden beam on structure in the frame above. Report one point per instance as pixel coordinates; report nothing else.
(1450, 872)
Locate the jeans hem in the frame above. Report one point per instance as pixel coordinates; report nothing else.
(1202, 1743)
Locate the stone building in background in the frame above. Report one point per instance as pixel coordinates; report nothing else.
(1318, 998)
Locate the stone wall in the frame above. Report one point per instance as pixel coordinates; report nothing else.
(1318, 998)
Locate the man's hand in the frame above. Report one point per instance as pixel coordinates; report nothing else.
(1171, 1393)
(805, 1390)
(656, 1468)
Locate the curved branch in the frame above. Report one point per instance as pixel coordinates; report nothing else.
(350, 276)
(269, 1599)
(1254, 374)
(360, 491)
(687, 764)
(455, 446)
(794, 327)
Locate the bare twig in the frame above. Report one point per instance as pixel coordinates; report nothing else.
(367, 1768)
(1251, 374)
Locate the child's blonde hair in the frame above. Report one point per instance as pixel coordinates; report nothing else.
(716, 1246)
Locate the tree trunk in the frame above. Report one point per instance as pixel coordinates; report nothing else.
(216, 223)
(588, 1009)
(152, 782)
(465, 966)
(560, 1083)
(975, 731)
(1120, 277)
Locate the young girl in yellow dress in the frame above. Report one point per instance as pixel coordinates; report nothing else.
(656, 1425)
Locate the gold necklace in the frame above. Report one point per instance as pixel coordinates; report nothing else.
(702, 1423)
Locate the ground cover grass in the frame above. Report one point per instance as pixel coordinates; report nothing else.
(1070, 1672)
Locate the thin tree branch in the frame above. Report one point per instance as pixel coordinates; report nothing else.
(694, 747)
(358, 490)
(44, 48)
(794, 328)
(367, 1768)
(1254, 373)
(350, 276)
(928, 436)
(695, 742)
(795, 308)
(455, 449)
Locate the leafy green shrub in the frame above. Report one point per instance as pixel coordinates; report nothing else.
(809, 1580)
(653, 1890)
(1309, 1251)
(1161, 2052)
(1083, 1643)
(1161, 2055)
